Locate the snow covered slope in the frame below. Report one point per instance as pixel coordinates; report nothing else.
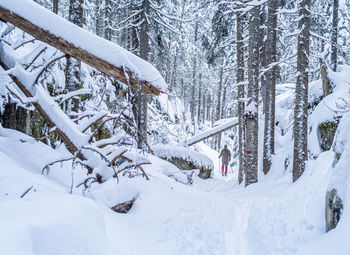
(214, 216)
(210, 217)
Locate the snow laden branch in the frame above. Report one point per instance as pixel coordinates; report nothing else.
(223, 125)
(98, 157)
(81, 44)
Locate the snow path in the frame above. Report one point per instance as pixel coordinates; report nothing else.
(217, 216)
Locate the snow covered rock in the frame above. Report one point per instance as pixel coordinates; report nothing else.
(185, 158)
(326, 132)
(334, 207)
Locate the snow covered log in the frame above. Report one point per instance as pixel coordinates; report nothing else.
(222, 126)
(81, 44)
(185, 158)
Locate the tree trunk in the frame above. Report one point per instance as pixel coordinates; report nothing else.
(55, 6)
(222, 114)
(334, 54)
(204, 107)
(199, 99)
(73, 65)
(98, 18)
(108, 18)
(194, 78)
(326, 84)
(240, 95)
(251, 111)
(218, 107)
(142, 98)
(270, 81)
(208, 107)
(263, 52)
(14, 117)
(301, 91)
(173, 81)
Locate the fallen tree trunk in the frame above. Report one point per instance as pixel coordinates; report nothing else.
(230, 123)
(79, 43)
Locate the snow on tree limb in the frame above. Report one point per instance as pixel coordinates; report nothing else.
(73, 136)
(227, 124)
(104, 55)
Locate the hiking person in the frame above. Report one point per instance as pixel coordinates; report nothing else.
(226, 157)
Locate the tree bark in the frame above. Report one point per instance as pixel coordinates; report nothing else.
(270, 81)
(209, 103)
(194, 78)
(108, 19)
(14, 117)
(222, 113)
(334, 53)
(98, 18)
(251, 112)
(326, 84)
(263, 52)
(218, 107)
(173, 81)
(142, 98)
(199, 99)
(73, 66)
(204, 107)
(301, 91)
(240, 95)
(55, 6)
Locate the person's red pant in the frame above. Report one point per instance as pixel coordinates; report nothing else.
(222, 170)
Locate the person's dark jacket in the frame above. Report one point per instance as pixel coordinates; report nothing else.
(226, 155)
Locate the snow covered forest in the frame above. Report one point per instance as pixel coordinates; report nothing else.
(115, 116)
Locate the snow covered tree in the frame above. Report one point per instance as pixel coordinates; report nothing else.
(270, 83)
(251, 111)
(334, 55)
(240, 95)
(301, 91)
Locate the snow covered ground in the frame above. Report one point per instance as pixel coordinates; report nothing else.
(215, 216)
(39, 216)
